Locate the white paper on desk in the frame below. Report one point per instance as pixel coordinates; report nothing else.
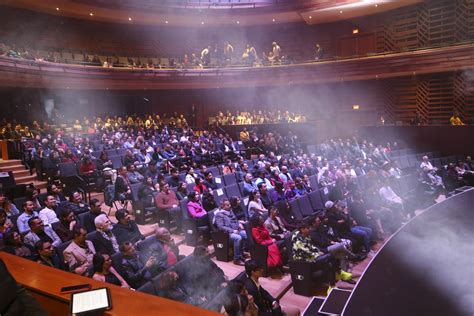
(218, 180)
(89, 300)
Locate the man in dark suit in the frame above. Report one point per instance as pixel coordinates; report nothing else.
(104, 240)
(89, 217)
(265, 301)
(123, 190)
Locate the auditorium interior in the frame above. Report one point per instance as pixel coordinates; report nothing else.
(236, 157)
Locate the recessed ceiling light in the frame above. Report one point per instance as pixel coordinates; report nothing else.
(57, 9)
(129, 19)
(166, 22)
(376, 5)
(202, 22)
(340, 12)
(273, 20)
(238, 22)
(91, 14)
(310, 17)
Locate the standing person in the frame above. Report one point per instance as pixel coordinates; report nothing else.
(206, 56)
(276, 50)
(319, 54)
(228, 53)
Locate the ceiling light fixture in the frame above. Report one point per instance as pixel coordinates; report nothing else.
(376, 5)
(238, 22)
(273, 20)
(129, 19)
(340, 12)
(310, 17)
(91, 14)
(202, 22)
(166, 22)
(57, 9)
(355, 31)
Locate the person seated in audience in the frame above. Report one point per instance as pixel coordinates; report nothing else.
(166, 200)
(208, 201)
(135, 272)
(88, 170)
(105, 272)
(126, 229)
(261, 179)
(255, 205)
(391, 200)
(431, 172)
(237, 300)
(105, 165)
(306, 184)
(285, 176)
(6, 226)
(123, 191)
(174, 179)
(80, 252)
(147, 192)
(64, 228)
(265, 197)
(104, 240)
(170, 288)
(54, 190)
(47, 255)
(365, 216)
(76, 203)
(28, 212)
(200, 187)
(203, 267)
(164, 250)
(346, 227)
(327, 242)
(68, 156)
(94, 211)
(265, 302)
(300, 187)
(304, 250)
(469, 164)
(190, 176)
(238, 210)
(14, 245)
(195, 209)
(228, 168)
(279, 193)
(209, 181)
(48, 213)
(291, 192)
(262, 237)
(227, 222)
(133, 175)
(249, 186)
(275, 177)
(275, 226)
(5, 204)
(40, 232)
(181, 191)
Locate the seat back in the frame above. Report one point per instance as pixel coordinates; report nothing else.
(305, 206)
(60, 249)
(315, 200)
(219, 195)
(230, 179)
(232, 190)
(295, 209)
(313, 180)
(68, 169)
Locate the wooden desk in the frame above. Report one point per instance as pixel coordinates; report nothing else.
(44, 283)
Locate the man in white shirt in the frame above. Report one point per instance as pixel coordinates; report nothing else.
(48, 215)
(430, 171)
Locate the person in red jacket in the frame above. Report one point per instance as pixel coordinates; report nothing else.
(262, 237)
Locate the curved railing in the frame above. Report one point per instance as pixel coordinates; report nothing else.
(25, 73)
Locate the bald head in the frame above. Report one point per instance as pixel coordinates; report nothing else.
(162, 233)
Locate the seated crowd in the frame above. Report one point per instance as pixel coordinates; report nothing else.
(258, 117)
(173, 165)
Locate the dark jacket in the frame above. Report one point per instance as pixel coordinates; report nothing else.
(135, 272)
(261, 297)
(101, 244)
(128, 232)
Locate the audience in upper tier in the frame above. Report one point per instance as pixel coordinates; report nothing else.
(258, 117)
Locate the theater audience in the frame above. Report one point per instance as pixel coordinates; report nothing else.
(181, 191)
(89, 217)
(126, 229)
(64, 228)
(104, 240)
(9, 208)
(238, 210)
(275, 225)
(38, 232)
(167, 201)
(134, 271)
(6, 225)
(48, 214)
(262, 236)
(79, 254)
(227, 222)
(105, 272)
(15, 246)
(47, 255)
(76, 203)
(256, 205)
(28, 212)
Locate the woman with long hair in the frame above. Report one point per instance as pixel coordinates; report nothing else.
(262, 236)
(103, 271)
